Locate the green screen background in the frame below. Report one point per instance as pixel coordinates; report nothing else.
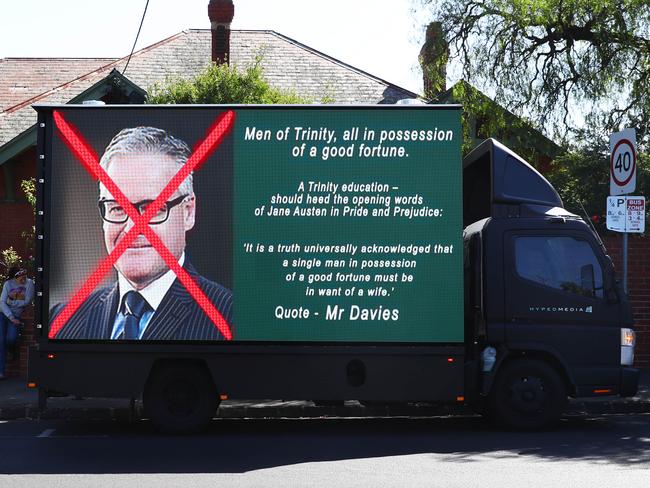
(430, 307)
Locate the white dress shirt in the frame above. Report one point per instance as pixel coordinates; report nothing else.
(152, 293)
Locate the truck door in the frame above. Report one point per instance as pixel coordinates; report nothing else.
(555, 300)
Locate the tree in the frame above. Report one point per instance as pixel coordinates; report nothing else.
(221, 83)
(582, 180)
(483, 118)
(10, 257)
(551, 58)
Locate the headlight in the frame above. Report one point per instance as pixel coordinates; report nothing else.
(628, 341)
(628, 337)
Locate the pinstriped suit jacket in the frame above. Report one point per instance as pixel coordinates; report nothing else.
(178, 318)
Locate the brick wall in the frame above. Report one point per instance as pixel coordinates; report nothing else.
(15, 213)
(16, 217)
(18, 367)
(638, 286)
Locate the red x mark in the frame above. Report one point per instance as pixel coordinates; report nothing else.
(88, 158)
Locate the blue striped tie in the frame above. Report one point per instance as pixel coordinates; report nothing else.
(134, 307)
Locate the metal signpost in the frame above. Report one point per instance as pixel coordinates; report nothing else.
(622, 213)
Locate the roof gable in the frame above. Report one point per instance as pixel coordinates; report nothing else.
(22, 79)
(287, 64)
(115, 85)
(510, 129)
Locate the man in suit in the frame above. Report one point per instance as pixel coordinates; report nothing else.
(147, 302)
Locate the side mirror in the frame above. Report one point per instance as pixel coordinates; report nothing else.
(587, 280)
(610, 284)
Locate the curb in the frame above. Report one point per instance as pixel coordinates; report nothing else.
(32, 413)
(594, 408)
(297, 410)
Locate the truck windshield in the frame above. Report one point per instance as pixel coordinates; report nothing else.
(564, 263)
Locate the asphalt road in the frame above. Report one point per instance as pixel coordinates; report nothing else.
(593, 452)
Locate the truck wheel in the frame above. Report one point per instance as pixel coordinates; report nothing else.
(180, 398)
(528, 394)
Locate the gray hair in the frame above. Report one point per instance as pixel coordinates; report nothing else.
(152, 140)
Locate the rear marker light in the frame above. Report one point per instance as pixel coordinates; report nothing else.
(223, 397)
(628, 337)
(603, 392)
(31, 384)
(51, 356)
(450, 360)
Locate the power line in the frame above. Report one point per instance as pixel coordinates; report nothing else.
(136, 37)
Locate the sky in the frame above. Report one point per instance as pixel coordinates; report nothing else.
(382, 37)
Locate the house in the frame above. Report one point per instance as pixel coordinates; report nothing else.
(286, 63)
(482, 116)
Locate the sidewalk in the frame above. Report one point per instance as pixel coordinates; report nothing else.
(19, 402)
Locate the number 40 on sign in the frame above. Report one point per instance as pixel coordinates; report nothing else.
(622, 166)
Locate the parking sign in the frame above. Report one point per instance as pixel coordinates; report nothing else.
(626, 214)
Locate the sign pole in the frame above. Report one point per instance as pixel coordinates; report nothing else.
(622, 178)
(626, 214)
(625, 234)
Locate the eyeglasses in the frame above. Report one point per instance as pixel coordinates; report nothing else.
(113, 212)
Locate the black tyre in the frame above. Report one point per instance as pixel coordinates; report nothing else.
(180, 398)
(528, 394)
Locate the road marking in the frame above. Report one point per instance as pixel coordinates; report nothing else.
(46, 433)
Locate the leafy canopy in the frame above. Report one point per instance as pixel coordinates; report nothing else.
(551, 59)
(582, 180)
(10, 257)
(221, 83)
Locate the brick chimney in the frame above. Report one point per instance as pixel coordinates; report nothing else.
(221, 13)
(433, 59)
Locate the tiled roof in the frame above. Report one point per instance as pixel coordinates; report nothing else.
(287, 64)
(25, 78)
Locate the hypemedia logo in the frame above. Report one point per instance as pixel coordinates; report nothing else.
(562, 309)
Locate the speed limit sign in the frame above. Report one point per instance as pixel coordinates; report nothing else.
(622, 162)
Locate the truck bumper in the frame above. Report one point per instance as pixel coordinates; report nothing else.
(629, 382)
(597, 382)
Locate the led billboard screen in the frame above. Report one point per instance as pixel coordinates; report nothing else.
(271, 224)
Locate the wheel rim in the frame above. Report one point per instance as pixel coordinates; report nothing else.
(181, 398)
(528, 394)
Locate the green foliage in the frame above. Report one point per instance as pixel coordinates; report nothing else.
(485, 118)
(565, 64)
(10, 257)
(29, 188)
(552, 58)
(582, 179)
(221, 83)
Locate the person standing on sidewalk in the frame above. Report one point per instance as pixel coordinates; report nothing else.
(17, 293)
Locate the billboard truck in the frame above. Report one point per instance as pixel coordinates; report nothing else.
(188, 254)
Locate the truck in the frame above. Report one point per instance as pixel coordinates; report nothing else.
(191, 254)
